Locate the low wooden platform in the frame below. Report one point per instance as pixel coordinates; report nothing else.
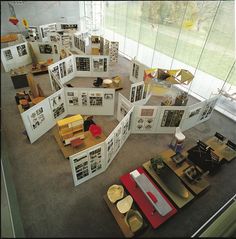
(120, 218)
(89, 141)
(196, 188)
(221, 149)
(179, 201)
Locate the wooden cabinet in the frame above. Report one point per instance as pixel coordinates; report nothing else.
(71, 128)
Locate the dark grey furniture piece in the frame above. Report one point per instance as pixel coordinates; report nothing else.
(19, 81)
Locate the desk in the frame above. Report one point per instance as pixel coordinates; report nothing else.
(89, 141)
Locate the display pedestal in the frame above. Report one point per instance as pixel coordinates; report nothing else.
(179, 201)
(144, 204)
(88, 142)
(196, 187)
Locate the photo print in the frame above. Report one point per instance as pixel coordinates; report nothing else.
(45, 49)
(95, 39)
(21, 50)
(81, 166)
(62, 69)
(57, 105)
(135, 70)
(110, 149)
(53, 38)
(83, 63)
(95, 159)
(124, 108)
(56, 86)
(172, 118)
(106, 47)
(99, 64)
(8, 55)
(73, 98)
(36, 118)
(147, 112)
(114, 51)
(125, 129)
(82, 45)
(117, 139)
(144, 123)
(55, 71)
(139, 92)
(95, 99)
(84, 97)
(108, 96)
(132, 94)
(55, 49)
(194, 112)
(101, 45)
(69, 66)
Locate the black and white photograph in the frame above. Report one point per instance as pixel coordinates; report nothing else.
(57, 105)
(147, 112)
(36, 118)
(194, 112)
(108, 96)
(139, 92)
(98, 64)
(84, 98)
(82, 45)
(132, 94)
(8, 55)
(95, 100)
(135, 70)
(83, 63)
(95, 39)
(106, 47)
(172, 118)
(113, 51)
(110, 149)
(101, 45)
(73, 98)
(56, 86)
(62, 69)
(45, 49)
(55, 71)
(81, 166)
(117, 139)
(95, 159)
(124, 108)
(21, 50)
(55, 49)
(69, 66)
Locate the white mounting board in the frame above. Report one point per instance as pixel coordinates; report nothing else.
(82, 161)
(43, 114)
(98, 95)
(16, 60)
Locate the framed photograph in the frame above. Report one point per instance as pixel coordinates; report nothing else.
(8, 55)
(108, 96)
(21, 50)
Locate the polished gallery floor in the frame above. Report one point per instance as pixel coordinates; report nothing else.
(50, 205)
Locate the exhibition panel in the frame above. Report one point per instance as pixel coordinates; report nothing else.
(123, 106)
(137, 71)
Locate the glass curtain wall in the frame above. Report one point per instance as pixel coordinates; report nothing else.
(195, 35)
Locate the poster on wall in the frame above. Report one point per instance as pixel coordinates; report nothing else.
(123, 107)
(96, 99)
(137, 92)
(110, 148)
(133, 88)
(72, 97)
(8, 55)
(62, 69)
(117, 138)
(45, 49)
(84, 98)
(135, 70)
(57, 105)
(83, 63)
(21, 50)
(95, 157)
(36, 118)
(172, 118)
(69, 67)
(99, 64)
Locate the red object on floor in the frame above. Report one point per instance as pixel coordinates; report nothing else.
(76, 142)
(139, 197)
(95, 130)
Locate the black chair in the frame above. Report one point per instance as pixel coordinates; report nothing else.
(98, 82)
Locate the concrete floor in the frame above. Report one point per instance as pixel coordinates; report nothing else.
(51, 206)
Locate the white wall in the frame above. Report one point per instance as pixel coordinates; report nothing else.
(39, 12)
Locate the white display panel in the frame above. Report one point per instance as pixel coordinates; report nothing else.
(170, 118)
(38, 120)
(191, 115)
(137, 71)
(90, 101)
(88, 163)
(44, 51)
(207, 109)
(123, 107)
(145, 119)
(138, 94)
(45, 29)
(15, 56)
